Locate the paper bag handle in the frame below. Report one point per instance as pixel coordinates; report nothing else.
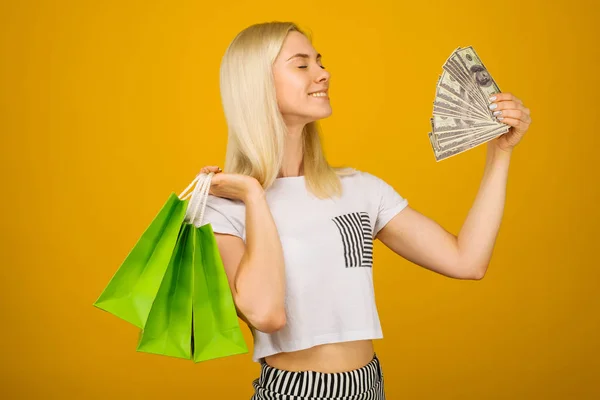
(199, 197)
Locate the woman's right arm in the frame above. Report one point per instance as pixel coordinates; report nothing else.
(255, 270)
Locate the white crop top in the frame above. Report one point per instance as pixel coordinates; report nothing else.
(328, 253)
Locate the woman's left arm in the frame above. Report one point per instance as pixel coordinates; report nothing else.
(421, 240)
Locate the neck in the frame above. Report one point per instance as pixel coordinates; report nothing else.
(293, 153)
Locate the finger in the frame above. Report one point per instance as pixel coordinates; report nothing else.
(506, 105)
(517, 123)
(505, 96)
(515, 114)
(213, 168)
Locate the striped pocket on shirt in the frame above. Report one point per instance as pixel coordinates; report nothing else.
(357, 238)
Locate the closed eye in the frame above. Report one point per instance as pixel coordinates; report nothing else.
(306, 66)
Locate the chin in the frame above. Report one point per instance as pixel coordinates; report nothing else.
(323, 114)
(314, 119)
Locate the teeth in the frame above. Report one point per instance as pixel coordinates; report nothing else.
(318, 94)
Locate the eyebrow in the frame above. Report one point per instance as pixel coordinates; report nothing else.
(303, 56)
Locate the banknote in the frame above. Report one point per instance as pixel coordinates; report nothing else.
(479, 73)
(444, 153)
(448, 96)
(448, 127)
(461, 117)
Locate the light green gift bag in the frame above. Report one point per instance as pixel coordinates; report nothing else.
(168, 330)
(193, 315)
(216, 326)
(131, 291)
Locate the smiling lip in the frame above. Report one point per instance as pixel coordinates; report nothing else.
(320, 97)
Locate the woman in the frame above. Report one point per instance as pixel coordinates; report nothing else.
(296, 235)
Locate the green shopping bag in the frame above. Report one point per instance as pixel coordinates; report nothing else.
(216, 326)
(168, 330)
(133, 287)
(184, 304)
(193, 315)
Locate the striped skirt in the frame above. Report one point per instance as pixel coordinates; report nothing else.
(365, 383)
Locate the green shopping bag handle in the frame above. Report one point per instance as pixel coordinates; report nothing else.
(203, 182)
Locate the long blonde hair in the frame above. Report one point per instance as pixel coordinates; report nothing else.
(256, 129)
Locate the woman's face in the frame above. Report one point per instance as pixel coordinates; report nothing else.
(298, 72)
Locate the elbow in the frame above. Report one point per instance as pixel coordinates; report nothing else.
(270, 322)
(264, 319)
(469, 270)
(477, 274)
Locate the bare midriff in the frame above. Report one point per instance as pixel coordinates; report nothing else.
(327, 358)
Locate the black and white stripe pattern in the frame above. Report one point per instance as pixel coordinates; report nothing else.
(357, 237)
(365, 383)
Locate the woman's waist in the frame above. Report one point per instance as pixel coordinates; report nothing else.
(327, 358)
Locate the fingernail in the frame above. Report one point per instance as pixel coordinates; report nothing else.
(499, 118)
(493, 106)
(496, 113)
(492, 98)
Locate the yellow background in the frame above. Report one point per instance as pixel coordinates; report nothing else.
(107, 107)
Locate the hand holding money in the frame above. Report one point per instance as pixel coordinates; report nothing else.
(510, 110)
(464, 114)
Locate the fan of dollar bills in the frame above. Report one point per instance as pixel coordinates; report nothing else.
(461, 117)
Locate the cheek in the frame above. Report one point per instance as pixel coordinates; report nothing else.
(290, 88)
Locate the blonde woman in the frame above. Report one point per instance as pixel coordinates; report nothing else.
(296, 235)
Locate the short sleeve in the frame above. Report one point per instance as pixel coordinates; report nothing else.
(225, 216)
(389, 202)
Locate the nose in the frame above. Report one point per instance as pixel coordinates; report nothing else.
(323, 75)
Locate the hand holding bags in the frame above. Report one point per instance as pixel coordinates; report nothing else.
(173, 285)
